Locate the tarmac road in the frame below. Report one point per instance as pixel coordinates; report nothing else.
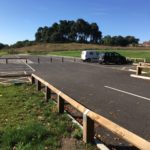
(109, 92)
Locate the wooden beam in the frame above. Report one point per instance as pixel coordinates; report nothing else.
(38, 85)
(123, 133)
(104, 122)
(6, 61)
(88, 129)
(138, 70)
(47, 93)
(60, 104)
(32, 80)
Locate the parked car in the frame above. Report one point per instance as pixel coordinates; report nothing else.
(111, 57)
(90, 55)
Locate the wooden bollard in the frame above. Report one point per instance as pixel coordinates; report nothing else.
(47, 93)
(38, 85)
(60, 104)
(38, 60)
(51, 60)
(138, 70)
(26, 61)
(74, 60)
(62, 59)
(88, 128)
(6, 61)
(32, 80)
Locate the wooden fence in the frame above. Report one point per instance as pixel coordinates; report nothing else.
(142, 66)
(13, 58)
(89, 117)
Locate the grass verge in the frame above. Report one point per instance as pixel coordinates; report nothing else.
(126, 53)
(2, 53)
(29, 123)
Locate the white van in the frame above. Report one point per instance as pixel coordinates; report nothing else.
(89, 55)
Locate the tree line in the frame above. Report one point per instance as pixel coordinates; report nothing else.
(69, 31)
(79, 31)
(119, 40)
(3, 46)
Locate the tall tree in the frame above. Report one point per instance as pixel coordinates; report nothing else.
(69, 31)
(95, 34)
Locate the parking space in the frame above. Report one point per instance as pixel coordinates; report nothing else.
(14, 70)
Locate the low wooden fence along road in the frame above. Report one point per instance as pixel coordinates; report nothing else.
(136, 59)
(12, 58)
(142, 66)
(89, 117)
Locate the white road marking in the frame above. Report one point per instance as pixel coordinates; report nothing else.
(127, 93)
(27, 65)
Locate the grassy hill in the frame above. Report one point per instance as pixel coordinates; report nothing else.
(74, 49)
(73, 46)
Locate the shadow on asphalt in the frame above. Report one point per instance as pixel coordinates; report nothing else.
(112, 147)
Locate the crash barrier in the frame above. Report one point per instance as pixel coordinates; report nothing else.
(142, 66)
(13, 58)
(89, 117)
(137, 59)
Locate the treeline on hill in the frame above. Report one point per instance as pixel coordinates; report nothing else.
(119, 41)
(3, 46)
(70, 31)
(79, 31)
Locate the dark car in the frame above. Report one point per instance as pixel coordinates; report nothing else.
(111, 57)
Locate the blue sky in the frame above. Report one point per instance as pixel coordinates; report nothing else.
(19, 19)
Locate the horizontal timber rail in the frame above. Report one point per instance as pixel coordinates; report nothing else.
(137, 59)
(12, 58)
(89, 117)
(142, 66)
(15, 75)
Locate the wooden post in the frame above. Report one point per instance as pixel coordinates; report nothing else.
(38, 60)
(32, 80)
(51, 60)
(74, 60)
(88, 128)
(47, 93)
(60, 104)
(6, 61)
(62, 59)
(38, 85)
(26, 61)
(138, 70)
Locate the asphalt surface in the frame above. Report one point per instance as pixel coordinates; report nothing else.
(106, 89)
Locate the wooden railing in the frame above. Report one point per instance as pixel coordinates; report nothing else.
(13, 58)
(89, 117)
(137, 59)
(142, 66)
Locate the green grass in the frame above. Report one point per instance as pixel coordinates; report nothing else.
(2, 53)
(74, 50)
(127, 53)
(66, 53)
(29, 123)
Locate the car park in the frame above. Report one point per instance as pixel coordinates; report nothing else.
(111, 57)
